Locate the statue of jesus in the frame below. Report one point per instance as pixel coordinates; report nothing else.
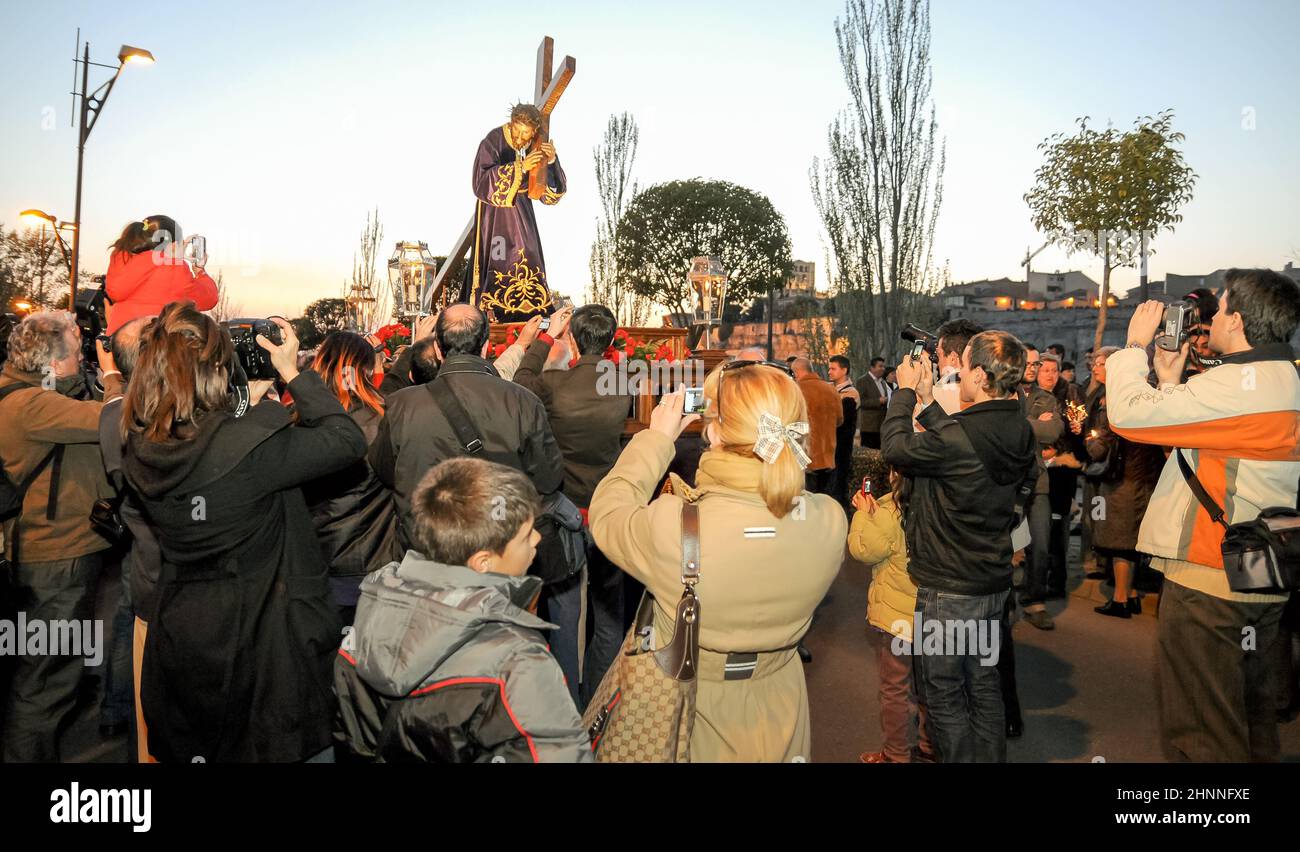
(506, 276)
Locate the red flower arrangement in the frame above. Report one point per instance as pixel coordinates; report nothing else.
(624, 348)
(392, 336)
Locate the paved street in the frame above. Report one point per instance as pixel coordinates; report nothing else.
(1087, 688)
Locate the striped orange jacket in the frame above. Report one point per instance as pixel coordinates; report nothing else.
(1237, 424)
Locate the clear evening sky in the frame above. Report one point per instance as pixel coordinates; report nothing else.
(273, 127)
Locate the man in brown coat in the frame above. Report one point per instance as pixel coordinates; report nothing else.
(825, 414)
(49, 434)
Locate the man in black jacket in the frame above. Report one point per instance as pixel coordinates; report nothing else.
(966, 470)
(588, 426)
(416, 433)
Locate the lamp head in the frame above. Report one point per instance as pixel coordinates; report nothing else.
(135, 55)
(36, 218)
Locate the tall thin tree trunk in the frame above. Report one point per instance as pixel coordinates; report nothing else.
(1105, 297)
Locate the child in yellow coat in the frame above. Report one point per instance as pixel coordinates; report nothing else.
(876, 538)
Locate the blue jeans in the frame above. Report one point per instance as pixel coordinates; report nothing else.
(605, 608)
(962, 695)
(564, 609)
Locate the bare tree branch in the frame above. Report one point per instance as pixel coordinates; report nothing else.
(879, 190)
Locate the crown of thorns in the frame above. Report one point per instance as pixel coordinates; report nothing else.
(526, 114)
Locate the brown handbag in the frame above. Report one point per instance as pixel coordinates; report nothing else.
(644, 709)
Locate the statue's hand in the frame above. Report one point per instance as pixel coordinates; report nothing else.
(548, 148)
(534, 160)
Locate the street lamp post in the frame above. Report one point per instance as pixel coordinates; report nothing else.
(91, 105)
(45, 219)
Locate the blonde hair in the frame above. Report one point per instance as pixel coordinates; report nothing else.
(748, 392)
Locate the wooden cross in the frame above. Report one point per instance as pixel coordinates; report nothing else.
(546, 94)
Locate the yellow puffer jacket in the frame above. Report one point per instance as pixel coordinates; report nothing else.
(877, 540)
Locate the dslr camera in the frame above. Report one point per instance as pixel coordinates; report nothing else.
(921, 340)
(255, 360)
(1180, 318)
(92, 321)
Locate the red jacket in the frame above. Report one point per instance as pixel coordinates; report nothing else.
(141, 284)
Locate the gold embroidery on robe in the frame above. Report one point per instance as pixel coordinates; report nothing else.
(523, 292)
(550, 196)
(507, 185)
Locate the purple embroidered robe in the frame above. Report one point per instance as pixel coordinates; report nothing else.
(507, 274)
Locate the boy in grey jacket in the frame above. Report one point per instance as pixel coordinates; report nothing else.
(444, 663)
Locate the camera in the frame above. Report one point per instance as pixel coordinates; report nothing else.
(695, 401)
(91, 318)
(255, 360)
(1180, 318)
(921, 340)
(196, 249)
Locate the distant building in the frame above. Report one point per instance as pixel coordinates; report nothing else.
(1054, 286)
(993, 295)
(1043, 290)
(802, 280)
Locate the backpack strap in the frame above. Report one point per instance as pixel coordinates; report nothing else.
(461, 424)
(55, 456)
(1215, 510)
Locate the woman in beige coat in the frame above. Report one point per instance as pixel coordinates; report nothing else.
(768, 553)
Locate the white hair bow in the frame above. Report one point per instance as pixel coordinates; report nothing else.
(772, 436)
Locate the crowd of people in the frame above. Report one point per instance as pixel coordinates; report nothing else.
(432, 558)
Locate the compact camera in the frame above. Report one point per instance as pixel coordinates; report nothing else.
(255, 360)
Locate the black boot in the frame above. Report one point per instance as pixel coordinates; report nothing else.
(1113, 608)
(1135, 606)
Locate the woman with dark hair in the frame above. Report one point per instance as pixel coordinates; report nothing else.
(1119, 484)
(147, 270)
(237, 663)
(354, 515)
